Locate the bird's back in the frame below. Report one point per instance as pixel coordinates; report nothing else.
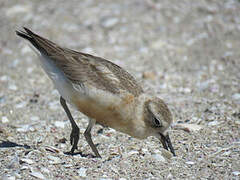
(97, 87)
(84, 68)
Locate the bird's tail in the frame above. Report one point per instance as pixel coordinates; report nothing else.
(43, 45)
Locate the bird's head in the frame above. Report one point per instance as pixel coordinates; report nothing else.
(158, 118)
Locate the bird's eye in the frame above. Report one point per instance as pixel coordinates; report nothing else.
(157, 122)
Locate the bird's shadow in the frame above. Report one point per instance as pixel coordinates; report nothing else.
(79, 153)
(9, 144)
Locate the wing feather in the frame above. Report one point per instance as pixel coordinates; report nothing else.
(81, 68)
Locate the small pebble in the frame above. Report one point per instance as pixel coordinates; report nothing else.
(227, 153)
(213, 123)
(28, 161)
(237, 122)
(54, 160)
(37, 175)
(68, 165)
(5, 119)
(21, 105)
(132, 152)
(62, 146)
(149, 75)
(25, 128)
(4, 78)
(12, 87)
(24, 167)
(110, 22)
(166, 154)
(45, 170)
(88, 50)
(52, 149)
(170, 176)
(59, 124)
(190, 162)
(82, 172)
(184, 90)
(236, 96)
(63, 140)
(29, 70)
(187, 127)
(14, 162)
(17, 9)
(159, 157)
(54, 105)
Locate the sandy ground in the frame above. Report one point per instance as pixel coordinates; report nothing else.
(186, 52)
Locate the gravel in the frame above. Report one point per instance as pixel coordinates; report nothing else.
(186, 52)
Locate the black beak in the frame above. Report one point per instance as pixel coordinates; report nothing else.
(166, 142)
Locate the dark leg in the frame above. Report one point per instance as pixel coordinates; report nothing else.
(74, 137)
(88, 137)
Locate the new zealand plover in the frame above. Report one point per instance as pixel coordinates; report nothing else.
(103, 91)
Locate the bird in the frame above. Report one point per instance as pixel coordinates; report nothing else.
(103, 91)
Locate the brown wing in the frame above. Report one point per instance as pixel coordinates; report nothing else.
(82, 68)
(98, 72)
